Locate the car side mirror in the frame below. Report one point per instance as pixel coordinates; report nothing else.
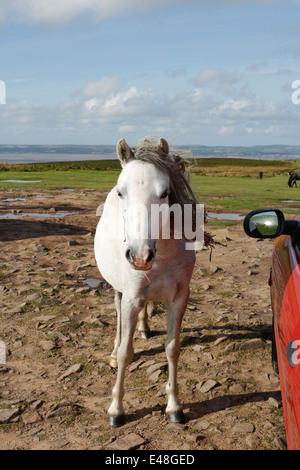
(264, 223)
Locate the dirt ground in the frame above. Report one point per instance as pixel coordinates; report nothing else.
(55, 387)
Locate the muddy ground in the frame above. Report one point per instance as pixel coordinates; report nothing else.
(55, 387)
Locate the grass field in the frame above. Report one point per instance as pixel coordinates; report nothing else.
(221, 184)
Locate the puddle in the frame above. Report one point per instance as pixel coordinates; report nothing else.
(20, 181)
(69, 189)
(225, 216)
(13, 199)
(290, 200)
(36, 214)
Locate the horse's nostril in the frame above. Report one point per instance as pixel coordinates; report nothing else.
(128, 255)
(150, 256)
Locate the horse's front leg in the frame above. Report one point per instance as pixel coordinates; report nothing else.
(128, 319)
(175, 312)
(113, 356)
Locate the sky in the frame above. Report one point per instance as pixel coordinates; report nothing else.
(196, 72)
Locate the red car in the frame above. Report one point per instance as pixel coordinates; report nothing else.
(285, 299)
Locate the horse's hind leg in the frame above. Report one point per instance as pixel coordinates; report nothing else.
(113, 356)
(143, 326)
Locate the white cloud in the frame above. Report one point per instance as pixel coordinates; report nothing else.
(101, 88)
(105, 117)
(59, 12)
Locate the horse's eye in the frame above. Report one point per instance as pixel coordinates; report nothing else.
(119, 194)
(164, 194)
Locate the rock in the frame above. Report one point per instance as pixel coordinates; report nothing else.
(129, 442)
(47, 345)
(39, 248)
(206, 286)
(273, 403)
(251, 344)
(207, 385)
(201, 425)
(243, 428)
(31, 417)
(213, 269)
(220, 340)
(33, 297)
(28, 351)
(73, 243)
(280, 442)
(45, 318)
(155, 376)
(59, 443)
(252, 441)
(136, 365)
(9, 416)
(155, 367)
(64, 408)
(72, 370)
(52, 210)
(250, 272)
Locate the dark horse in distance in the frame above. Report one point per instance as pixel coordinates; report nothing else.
(294, 176)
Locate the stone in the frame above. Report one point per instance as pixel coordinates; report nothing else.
(129, 442)
(252, 441)
(47, 345)
(243, 428)
(251, 344)
(72, 370)
(33, 297)
(201, 425)
(220, 340)
(273, 403)
(73, 243)
(207, 385)
(155, 367)
(9, 416)
(28, 351)
(31, 417)
(155, 376)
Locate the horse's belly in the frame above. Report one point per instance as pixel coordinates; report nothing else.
(107, 258)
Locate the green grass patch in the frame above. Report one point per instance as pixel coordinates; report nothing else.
(221, 184)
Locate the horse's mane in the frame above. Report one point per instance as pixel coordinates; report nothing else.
(174, 165)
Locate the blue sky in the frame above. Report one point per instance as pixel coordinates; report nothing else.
(201, 72)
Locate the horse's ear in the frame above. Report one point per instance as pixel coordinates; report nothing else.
(163, 146)
(124, 152)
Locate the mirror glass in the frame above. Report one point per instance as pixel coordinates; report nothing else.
(264, 224)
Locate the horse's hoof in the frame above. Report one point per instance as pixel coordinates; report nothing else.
(177, 417)
(145, 334)
(116, 421)
(113, 362)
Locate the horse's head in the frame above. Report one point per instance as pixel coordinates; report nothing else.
(141, 185)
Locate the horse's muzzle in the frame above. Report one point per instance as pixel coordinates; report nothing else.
(141, 263)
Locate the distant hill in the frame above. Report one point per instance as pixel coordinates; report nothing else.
(265, 152)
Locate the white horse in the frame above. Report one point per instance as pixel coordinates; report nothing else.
(147, 268)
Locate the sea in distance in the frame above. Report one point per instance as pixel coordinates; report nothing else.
(14, 154)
